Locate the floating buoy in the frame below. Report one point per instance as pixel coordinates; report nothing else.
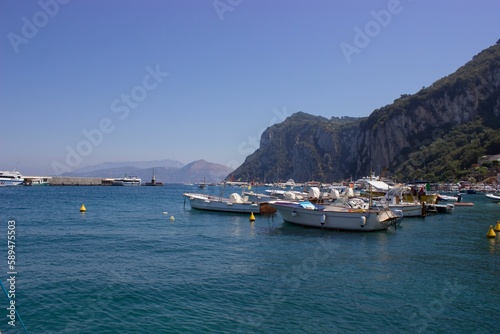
(172, 218)
(252, 217)
(491, 233)
(82, 208)
(165, 212)
(497, 226)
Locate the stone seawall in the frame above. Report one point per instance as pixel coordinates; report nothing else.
(76, 181)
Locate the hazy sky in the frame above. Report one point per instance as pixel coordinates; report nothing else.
(85, 82)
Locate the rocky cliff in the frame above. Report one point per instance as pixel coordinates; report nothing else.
(306, 147)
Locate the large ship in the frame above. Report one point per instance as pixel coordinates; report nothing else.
(127, 181)
(8, 178)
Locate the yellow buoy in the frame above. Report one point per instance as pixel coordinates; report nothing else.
(252, 217)
(172, 218)
(82, 208)
(491, 233)
(497, 226)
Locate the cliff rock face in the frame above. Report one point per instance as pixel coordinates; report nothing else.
(306, 147)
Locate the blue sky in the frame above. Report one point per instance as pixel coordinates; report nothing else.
(85, 82)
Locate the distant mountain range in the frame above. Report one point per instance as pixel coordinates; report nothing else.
(166, 171)
(166, 163)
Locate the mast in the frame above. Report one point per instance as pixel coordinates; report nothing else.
(370, 190)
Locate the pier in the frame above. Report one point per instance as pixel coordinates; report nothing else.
(68, 181)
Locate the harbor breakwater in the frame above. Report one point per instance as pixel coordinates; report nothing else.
(79, 181)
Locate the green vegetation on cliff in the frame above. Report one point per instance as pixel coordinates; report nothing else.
(452, 157)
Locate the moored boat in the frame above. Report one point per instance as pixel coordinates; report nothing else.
(409, 209)
(439, 208)
(423, 198)
(494, 197)
(127, 181)
(37, 181)
(335, 217)
(235, 203)
(153, 182)
(8, 178)
(395, 199)
(447, 198)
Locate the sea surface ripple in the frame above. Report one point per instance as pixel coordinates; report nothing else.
(125, 267)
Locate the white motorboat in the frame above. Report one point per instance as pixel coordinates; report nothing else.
(127, 181)
(37, 181)
(336, 217)
(395, 200)
(258, 197)
(409, 209)
(494, 197)
(439, 208)
(8, 178)
(447, 198)
(235, 203)
(286, 194)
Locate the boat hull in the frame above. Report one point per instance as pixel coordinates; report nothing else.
(493, 197)
(336, 218)
(409, 210)
(11, 179)
(212, 203)
(428, 199)
(445, 198)
(127, 182)
(11, 183)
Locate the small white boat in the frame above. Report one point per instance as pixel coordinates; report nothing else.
(127, 181)
(447, 198)
(395, 200)
(494, 197)
(258, 197)
(439, 208)
(37, 181)
(8, 178)
(286, 194)
(235, 203)
(335, 217)
(409, 209)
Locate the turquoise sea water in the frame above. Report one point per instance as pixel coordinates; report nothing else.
(125, 267)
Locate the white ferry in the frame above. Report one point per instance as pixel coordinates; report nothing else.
(127, 181)
(8, 178)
